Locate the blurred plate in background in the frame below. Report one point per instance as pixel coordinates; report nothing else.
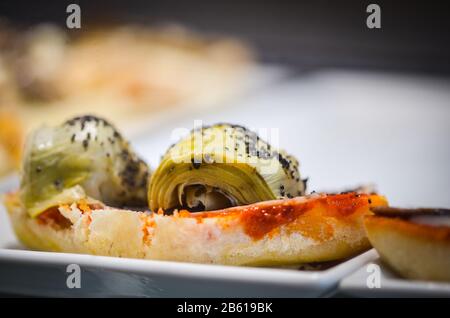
(390, 284)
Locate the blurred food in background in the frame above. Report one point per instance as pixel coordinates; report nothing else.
(123, 72)
(11, 139)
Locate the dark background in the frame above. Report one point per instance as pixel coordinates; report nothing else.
(303, 34)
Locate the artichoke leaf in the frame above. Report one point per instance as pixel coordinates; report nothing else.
(221, 166)
(85, 152)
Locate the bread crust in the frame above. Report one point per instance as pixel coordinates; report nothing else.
(294, 231)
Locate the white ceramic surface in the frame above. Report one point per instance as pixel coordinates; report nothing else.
(44, 274)
(362, 284)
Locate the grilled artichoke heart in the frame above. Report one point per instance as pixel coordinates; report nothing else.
(85, 156)
(221, 166)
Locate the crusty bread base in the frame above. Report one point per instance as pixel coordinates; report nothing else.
(216, 240)
(413, 250)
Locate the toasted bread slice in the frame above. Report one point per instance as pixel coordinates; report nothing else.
(413, 250)
(292, 231)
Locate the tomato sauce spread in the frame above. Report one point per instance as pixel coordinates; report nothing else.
(261, 218)
(53, 217)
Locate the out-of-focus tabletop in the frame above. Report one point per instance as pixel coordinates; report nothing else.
(347, 128)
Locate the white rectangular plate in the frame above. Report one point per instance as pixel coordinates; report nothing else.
(44, 274)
